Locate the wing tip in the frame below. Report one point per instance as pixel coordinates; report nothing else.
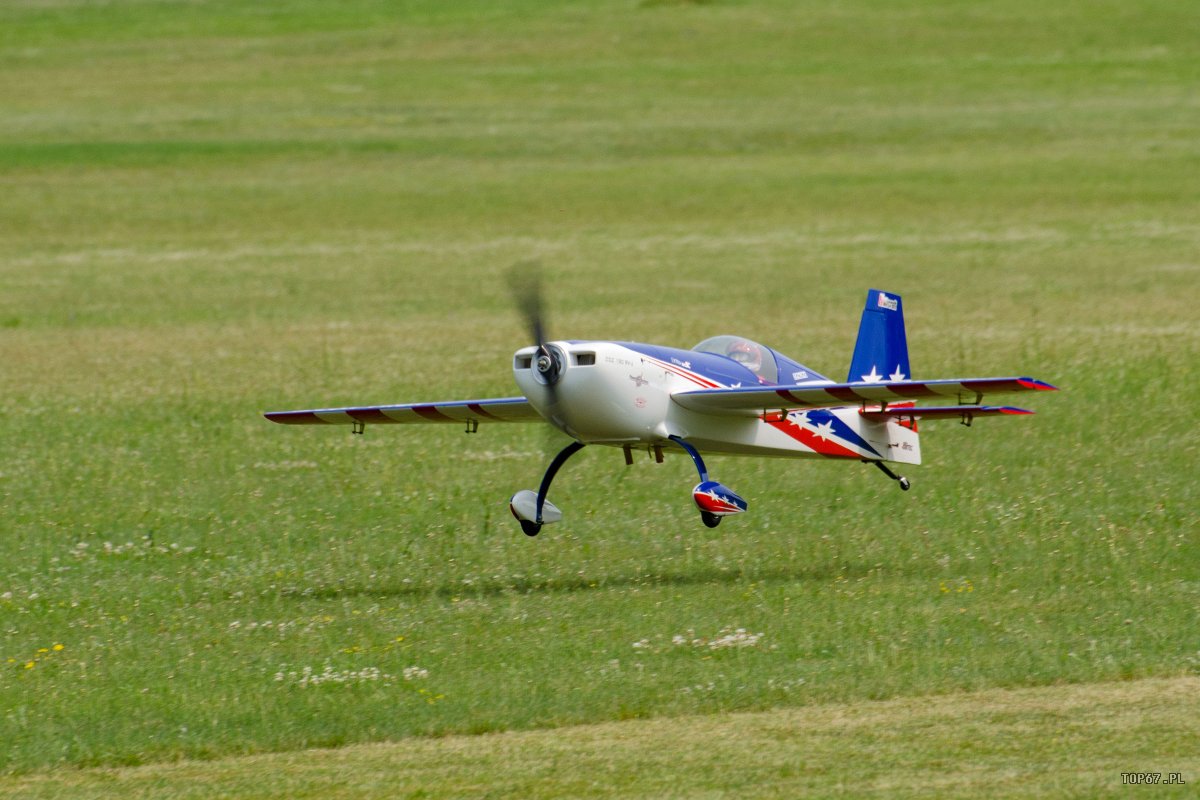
(1035, 384)
(293, 417)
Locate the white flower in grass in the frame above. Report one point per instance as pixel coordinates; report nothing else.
(738, 638)
(307, 676)
(725, 638)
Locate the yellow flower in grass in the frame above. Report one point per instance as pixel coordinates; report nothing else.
(57, 647)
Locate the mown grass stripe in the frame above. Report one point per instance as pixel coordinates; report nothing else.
(1057, 741)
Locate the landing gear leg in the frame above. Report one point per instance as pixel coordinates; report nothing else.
(695, 454)
(905, 484)
(532, 527)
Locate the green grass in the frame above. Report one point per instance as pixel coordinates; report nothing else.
(210, 209)
(1059, 741)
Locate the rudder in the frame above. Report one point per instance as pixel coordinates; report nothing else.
(881, 352)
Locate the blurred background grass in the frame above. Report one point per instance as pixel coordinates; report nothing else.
(210, 209)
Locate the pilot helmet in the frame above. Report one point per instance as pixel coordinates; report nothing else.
(747, 354)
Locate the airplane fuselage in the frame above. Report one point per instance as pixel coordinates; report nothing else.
(620, 394)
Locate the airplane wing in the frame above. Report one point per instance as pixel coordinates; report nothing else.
(760, 399)
(496, 409)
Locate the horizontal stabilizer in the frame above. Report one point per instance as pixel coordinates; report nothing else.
(497, 409)
(942, 412)
(757, 399)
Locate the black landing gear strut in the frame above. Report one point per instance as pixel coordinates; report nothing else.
(532, 527)
(904, 482)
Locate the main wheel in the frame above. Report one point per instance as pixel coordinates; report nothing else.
(905, 485)
(531, 528)
(710, 519)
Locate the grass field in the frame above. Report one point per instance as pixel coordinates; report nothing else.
(972, 745)
(209, 209)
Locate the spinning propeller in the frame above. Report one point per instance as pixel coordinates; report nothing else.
(525, 280)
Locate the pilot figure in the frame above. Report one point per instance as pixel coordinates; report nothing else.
(747, 354)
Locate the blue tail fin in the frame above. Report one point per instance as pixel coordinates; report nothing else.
(881, 353)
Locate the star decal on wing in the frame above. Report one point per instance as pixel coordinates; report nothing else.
(897, 375)
(873, 377)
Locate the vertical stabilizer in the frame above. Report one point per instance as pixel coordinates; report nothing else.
(881, 353)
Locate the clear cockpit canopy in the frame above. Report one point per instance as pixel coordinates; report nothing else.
(757, 358)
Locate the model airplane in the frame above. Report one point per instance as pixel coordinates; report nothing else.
(726, 395)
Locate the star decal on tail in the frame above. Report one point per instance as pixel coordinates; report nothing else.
(873, 376)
